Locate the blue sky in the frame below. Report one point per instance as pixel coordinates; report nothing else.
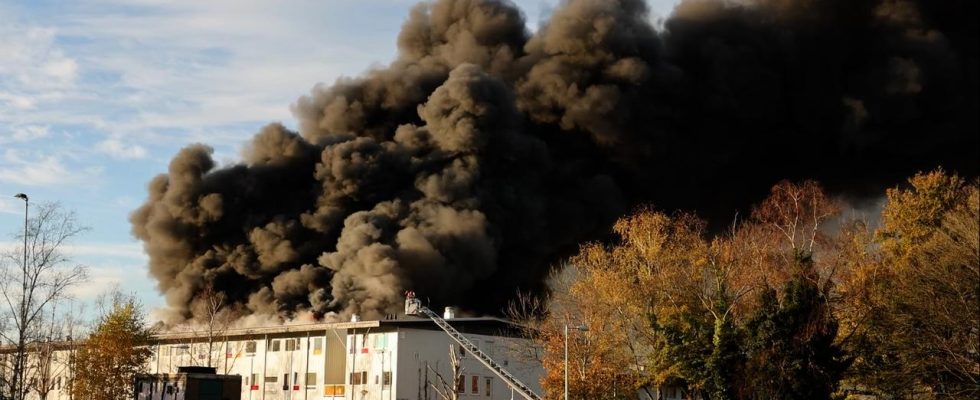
(96, 96)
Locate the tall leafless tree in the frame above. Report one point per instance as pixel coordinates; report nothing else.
(446, 390)
(213, 315)
(32, 279)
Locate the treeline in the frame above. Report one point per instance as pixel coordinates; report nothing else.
(801, 300)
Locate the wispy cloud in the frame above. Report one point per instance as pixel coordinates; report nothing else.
(107, 265)
(44, 170)
(23, 133)
(118, 251)
(11, 206)
(115, 148)
(104, 278)
(32, 60)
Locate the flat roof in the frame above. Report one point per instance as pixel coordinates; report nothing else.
(480, 325)
(464, 324)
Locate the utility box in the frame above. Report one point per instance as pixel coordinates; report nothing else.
(189, 383)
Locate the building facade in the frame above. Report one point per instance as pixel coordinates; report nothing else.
(398, 359)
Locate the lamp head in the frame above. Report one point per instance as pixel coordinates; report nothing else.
(21, 196)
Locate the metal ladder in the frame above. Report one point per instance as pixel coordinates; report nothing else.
(482, 357)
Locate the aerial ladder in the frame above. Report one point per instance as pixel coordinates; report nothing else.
(413, 306)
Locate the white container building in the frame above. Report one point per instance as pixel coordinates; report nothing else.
(398, 359)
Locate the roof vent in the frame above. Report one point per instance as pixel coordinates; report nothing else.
(450, 313)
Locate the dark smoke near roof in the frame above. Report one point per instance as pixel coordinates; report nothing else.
(483, 153)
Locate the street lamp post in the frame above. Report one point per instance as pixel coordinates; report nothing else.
(578, 328)
(19, 364)
(26, 201)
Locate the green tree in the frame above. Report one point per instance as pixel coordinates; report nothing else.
(792, 342)
(114, 354)
(725, 360)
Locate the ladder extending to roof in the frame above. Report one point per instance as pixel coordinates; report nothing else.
(414, 307)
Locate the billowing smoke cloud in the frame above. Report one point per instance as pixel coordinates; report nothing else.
(465, 168)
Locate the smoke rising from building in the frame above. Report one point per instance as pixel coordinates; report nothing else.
(465, 168)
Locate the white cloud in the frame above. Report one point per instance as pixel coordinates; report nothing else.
(44, 170)
(11, 206)
(23, 133)
(116, 251)
(132, 251)
(19, 102)
(100, 280)
(115, 148)
(31, 58)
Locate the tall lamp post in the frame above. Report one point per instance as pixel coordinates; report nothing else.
(582, 328)
(19, 363)
(26, 201)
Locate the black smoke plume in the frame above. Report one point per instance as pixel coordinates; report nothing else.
(465, 168)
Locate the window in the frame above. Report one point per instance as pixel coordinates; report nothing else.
(317, 346)
(275, 345)
(461, 385)
(310, 379)
(381, 341)
(291, 344)
(285, 381)
(250, 347)
(333, 390)
(255, 379)
(271, 379)
(358, 378)
(475, 384)
(487, 384)
(386, 378)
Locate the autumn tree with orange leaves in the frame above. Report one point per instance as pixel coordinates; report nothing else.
(670, 304)
(916, 302)
(114, 353)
